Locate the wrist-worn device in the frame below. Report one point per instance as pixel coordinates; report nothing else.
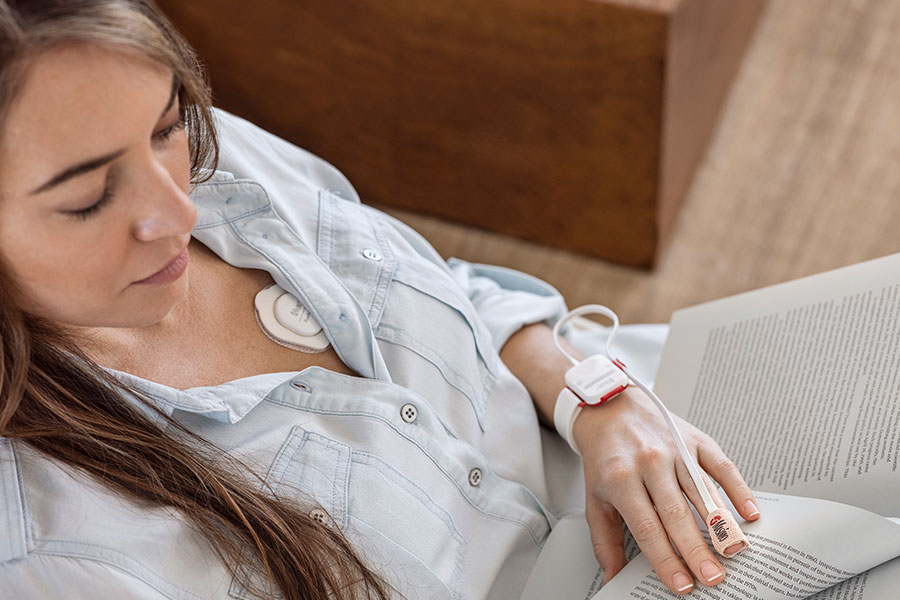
(592, 381)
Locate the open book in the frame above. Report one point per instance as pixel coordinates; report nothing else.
(800, 385)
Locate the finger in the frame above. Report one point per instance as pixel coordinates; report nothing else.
(607, 536)
(648, 532)
(678, 519)
(719, 466)
(690, 489)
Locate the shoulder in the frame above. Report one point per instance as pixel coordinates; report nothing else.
(249, 152)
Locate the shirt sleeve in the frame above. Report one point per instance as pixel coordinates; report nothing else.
(507, 300)
(248, 151)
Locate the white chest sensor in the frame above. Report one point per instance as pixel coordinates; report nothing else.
(287, 322)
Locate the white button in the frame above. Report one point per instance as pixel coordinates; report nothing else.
(409, 413)
(319, 515)
(475, 476)
(371, 254)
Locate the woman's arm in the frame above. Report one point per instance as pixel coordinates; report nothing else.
(631, 464)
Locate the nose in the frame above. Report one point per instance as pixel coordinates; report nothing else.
(166, 209)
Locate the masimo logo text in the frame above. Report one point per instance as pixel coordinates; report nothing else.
(719, 527)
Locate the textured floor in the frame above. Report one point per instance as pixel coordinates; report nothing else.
(802, 174)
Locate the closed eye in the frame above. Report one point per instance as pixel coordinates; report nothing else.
(167, 133)
(162, 137)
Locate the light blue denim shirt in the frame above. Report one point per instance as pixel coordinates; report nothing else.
(432, 461)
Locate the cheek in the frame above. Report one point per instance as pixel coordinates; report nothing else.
(58, 274)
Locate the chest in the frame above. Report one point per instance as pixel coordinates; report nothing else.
(217, 337)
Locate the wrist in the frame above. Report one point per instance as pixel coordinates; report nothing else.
(565, 412)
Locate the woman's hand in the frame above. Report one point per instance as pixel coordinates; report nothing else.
(631, 464)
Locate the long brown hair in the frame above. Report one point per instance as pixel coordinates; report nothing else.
(59, 402)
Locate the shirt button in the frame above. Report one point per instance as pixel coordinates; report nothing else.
(319, 516)
(371, 254)
(409, 413)
(475, 477)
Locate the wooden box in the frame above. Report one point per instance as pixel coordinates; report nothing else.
(575, 123)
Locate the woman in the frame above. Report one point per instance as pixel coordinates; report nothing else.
(160, 441)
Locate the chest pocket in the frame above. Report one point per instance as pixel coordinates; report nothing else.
(413, 303)
(387, 518)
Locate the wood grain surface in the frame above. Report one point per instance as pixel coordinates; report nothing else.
(544, 120)
(802, 175)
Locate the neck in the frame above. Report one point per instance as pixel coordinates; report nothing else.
(124, 348)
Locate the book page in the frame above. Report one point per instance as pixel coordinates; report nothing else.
(799, 383)
(566, 567)
(800, 548)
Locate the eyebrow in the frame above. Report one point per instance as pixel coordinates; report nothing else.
(95, 163)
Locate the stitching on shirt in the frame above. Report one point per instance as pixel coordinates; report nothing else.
(114, 558)
(385, 275)
(324, 239)
(421, 496)
(231, 220)
(26, 514)
(383, 270)
(464, 307)
(393, 584)
(192, 408)
(452, 376)
(341, 456)
(237, 233)
(358, 413)
(236, 183)
(16, 523)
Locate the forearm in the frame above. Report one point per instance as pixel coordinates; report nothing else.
(533, 358)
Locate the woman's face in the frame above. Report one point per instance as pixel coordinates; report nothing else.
(94, 176)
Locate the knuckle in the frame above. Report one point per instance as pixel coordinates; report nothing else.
(652, 456)
(697, 552)
(704, 439)
(669, 563)
(603, 548)
(725, 466)
(609, 512)
(673, 511)
(646, 529)
(617, 473)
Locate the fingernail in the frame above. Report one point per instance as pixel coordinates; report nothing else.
(750, 508)
(682, 581)
(733, 549)
(711, 571)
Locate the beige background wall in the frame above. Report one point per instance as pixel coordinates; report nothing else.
(802, 175)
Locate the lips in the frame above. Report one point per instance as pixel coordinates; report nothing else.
(169, 273)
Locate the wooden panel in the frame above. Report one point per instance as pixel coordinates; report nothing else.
(713, 34)
(537, 119)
